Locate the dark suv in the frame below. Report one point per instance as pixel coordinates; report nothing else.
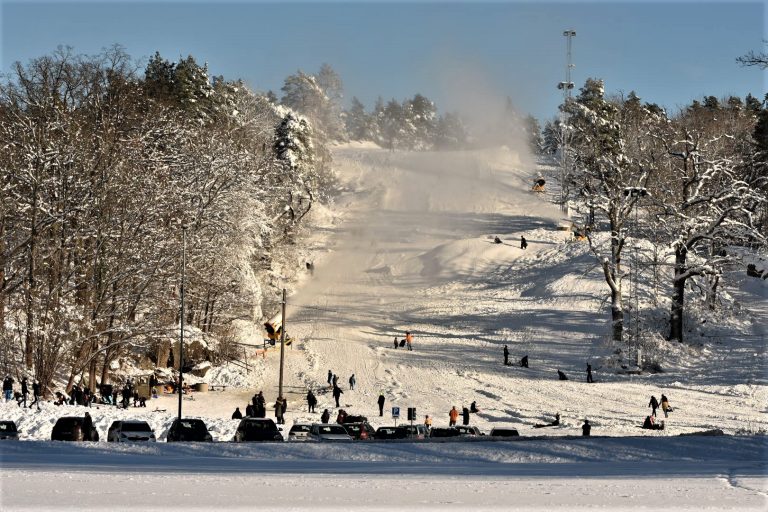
(188, 429)
(257, 429)
(8, 430)
(70, 428)
(360, 431)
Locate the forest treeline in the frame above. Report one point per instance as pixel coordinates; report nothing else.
(105, 167)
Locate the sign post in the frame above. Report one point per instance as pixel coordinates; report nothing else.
(395, 414)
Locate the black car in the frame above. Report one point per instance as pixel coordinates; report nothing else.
(504, 432)
(257, 429)
(8, 430)
(360, 431)
(391, 433)
(444, 432)
(70, 428)
(188, 430)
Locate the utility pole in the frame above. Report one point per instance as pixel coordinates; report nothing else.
(566, 87)
(282, 349)
(181, 313)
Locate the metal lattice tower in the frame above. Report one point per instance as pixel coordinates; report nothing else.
(566, 87)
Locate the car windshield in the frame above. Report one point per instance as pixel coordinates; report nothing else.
(258, 426)
(353, 428)
(7, 426)
(136, 426)
(300, 428)
(332, 429)
(193, 425)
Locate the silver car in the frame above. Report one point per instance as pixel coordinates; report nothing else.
(328, 432)
(123, 431)
(299, 432)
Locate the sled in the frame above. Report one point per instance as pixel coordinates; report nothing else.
(402, 343)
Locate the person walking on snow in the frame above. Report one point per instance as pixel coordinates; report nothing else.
(326, 416)
(311, 401)
(35, 394)
(337, 394)
(381, 404)
(523, 243)
(465, 416)
(453, 415)
(279, 411)
(335, 380)
(237, 415)
(330, 377)
(665, 405)
(409, 340)
(8, 388)
(395, 341)
(653, 404)
(428, 422)
(586, 428)
(24, 391)
(524, 362)
(506, 356)
(352, 382)
(589, 373)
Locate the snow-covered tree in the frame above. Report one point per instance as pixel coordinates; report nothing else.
(604, 169)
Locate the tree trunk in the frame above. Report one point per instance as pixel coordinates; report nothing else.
(30, 336)
(678, 295)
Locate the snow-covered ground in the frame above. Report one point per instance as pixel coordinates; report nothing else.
(409, 246)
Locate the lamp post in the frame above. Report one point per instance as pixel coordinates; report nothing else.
(636, 193)
(566, 87)
(181, 312)
(282, 350)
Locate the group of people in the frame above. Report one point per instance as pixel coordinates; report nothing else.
(560, 374)
(22, 395)
(453, 415)
(650, 420)
(406, 342)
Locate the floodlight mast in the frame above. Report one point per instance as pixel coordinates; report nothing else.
(566, 87)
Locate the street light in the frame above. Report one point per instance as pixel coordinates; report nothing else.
(181, 315)
(566, 87)
(637, 193)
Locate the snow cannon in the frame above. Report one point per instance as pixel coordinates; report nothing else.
(538, 185)
(274, 327)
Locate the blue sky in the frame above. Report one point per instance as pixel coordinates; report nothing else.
(670, 53)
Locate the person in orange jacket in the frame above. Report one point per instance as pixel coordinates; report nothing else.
(409, 340)
(453, 415)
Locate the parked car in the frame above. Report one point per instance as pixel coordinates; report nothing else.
(361, 431)
(386, 433)
(354, 419)
(122, 431)
(468, 431)
(188, 429)
(417, 432)
(70, 428)
(504, 432)
(444, 432)
(257, 429)
(8, 430)
(329, 432)
(299, 432)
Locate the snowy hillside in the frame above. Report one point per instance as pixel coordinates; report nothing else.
(409, 246)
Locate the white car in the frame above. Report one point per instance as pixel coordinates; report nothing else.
(328, 432)
(299, 432)
(126, 431)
